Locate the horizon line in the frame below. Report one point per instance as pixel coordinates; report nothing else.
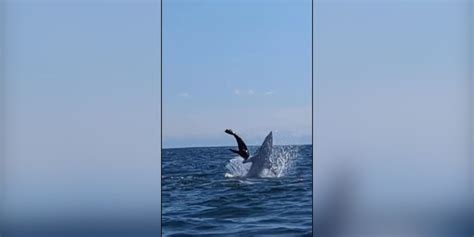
(215, 146)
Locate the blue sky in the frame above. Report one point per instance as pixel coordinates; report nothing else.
(244, 65)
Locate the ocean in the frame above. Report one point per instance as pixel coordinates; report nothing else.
(204, 193)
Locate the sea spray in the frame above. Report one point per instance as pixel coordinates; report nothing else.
(236, 168)
(280, 163)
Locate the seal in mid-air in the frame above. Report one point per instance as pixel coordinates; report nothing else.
(260, 160)
(243, 151)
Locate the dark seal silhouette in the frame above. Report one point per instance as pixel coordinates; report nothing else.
(243, 151)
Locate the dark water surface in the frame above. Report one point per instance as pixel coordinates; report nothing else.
(202, 194)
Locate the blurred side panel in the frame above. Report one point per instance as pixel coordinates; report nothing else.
(471, 59)
(82, 129)
(393, 118)
(2, 108)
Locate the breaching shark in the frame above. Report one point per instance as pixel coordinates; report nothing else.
(260, 160)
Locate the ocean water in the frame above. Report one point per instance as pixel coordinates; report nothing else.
(204, 192)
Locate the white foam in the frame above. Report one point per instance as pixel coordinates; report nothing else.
(280, 163)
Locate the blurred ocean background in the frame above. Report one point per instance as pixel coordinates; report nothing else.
(80, 118)
(204, 193)
(393, 118)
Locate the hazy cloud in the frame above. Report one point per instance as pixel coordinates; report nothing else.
(184, 94)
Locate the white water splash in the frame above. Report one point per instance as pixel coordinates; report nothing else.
(236, 168)
(280, 163)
